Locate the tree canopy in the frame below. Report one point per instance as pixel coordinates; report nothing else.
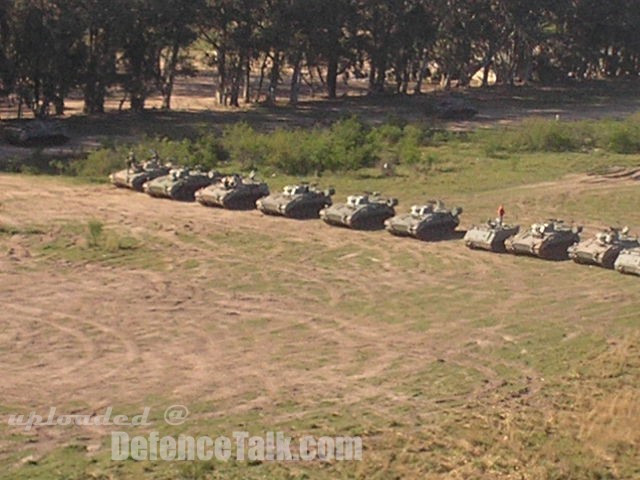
(49, 48)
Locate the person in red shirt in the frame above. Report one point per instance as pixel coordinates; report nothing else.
(500, 214)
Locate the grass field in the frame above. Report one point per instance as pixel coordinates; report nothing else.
(449, 363)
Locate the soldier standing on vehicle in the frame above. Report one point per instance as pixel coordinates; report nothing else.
(501, 213)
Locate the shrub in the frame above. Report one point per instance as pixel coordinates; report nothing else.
(388, 133)
(624, 138)
(351, 145)
(95, 231)
(101, 163)
(244, 145)
(410, 145)
(207, 152)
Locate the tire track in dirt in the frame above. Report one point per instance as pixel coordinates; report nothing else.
(189, 339)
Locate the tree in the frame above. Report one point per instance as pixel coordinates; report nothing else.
(46, 43)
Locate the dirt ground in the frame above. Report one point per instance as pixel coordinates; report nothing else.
(238, 311)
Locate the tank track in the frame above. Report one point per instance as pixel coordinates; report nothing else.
(186, 193)
(138, 183)
(369, 223)
(241, 203)
(608, 259)
(555, 252)
(435, 233)
(303, 212)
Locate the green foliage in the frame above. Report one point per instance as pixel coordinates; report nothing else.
(346, 145)
(95, 231)
(107, 241)
(539, 135)
(625, 137)
(207, 151)
(244, 144)
(410, 145)
(350, 145)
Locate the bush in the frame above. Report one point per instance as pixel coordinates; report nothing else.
(206, 152)
(538, 135)
(388, 133)
(101, 163)
(244, 145)
(624, 138)
(351, 146)
(95, 231)
(346, 145)
(410, 146)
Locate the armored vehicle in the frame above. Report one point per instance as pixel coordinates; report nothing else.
(454, 108)
(137, 174)
(549, 240)
(490, 235)
(629, 261)
(180, 183)
(36, 133)
(361, 212)
(233, 192)
(296, 201)
(604, 248)
(431, 221)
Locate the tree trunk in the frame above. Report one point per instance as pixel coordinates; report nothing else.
(222, 77)
(169, 76)
(381, 73)
(58, 105)
(332, 77)
(421, 71)
(236, 80)
(372, 78)
(137, 102)
(295, 80)
(274, 79)
(246, 93)
(263, 70)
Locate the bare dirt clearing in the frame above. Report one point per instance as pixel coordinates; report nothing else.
(277, 324)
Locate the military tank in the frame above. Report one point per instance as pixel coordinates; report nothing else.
(360, 212)
(490, 236)
(454, 108)
(180, 183)
(35, 133)
(233, 192)
(549, 240)
(628, 261)
(604, 248)
(296, 201)
(137, 174)
(430, 221)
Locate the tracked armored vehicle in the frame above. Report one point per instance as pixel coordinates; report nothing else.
(360, 212)
(490, 236)
(604, 248)
(296, 201)
(629, 261)
(180, 184)
(137, 174)
(35, 133)
(431, 221)
(549, 240)
(233, 192)
(454, 108)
